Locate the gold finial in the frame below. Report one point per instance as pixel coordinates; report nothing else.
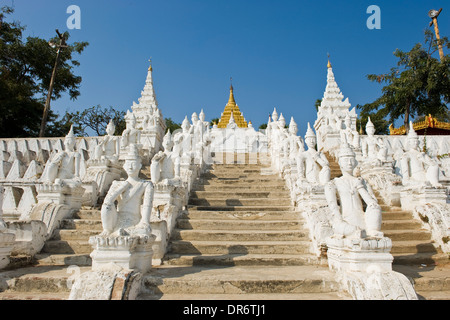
(150, 68)
(329, 63)
(231, 100)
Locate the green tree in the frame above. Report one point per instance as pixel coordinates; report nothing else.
(378, 119)
(25, 71)
(418, 85)
(214, 121)
(61, 126)
(171, 125)
(317, 104)
(94, 119)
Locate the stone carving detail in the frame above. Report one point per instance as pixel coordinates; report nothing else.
(126, 240)
(63, 169)
(6, 238)
(350, 219)
(165, 165)
(104, 167)
(332, 113)
(131, 135)
(109, 147)
(358, 250)
(60, 192)
(134, 199)
(350, 134)
(436, 218)
(374, 150)
(417, 168)
(312, 165)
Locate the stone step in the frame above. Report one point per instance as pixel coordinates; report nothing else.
(401, 235)
(83, 234)
(82, 224)
(193, 214)
(244, 165)
(67, 247)
(240, 165)
(218, 182)
(240, 259)
(425, 258)
(34, 296)
(439, 282)
(245, 281)
(239, 235)
(402, 224)
(306, 296)
(93, 214)
(433, 295)
(220, 168)
(189, 224)
(38, 280)
(240, 188)
(80, 259)
(411, 246)
(396, 215)
(217, 170)
(240, 247)
(388, 208)
(430, 281)
(239, 202)
(231, 174)
(241, 208)
(240, 194)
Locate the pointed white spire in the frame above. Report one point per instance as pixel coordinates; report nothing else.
(202, 115)
(275, 115)
(232, 118)
(282, 120)
(369, 123)
(333, 96)
(292, 123)
(293, 128)
(186, 124)
(111, 127)
(412, 134)
(310, 132)
(71, 134)
(168, 136)
(148, 96)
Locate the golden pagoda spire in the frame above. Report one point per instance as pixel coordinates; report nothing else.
(231, 101)
(232, 108)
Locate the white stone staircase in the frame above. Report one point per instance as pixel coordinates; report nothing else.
(240, 239)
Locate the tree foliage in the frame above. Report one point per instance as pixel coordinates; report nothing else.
(378, 119)
(214, 121)
(171, 125)
(25, 71)
(418, 85)
(263, 126)
(91, 120)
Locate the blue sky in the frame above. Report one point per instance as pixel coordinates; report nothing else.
(276, 51)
